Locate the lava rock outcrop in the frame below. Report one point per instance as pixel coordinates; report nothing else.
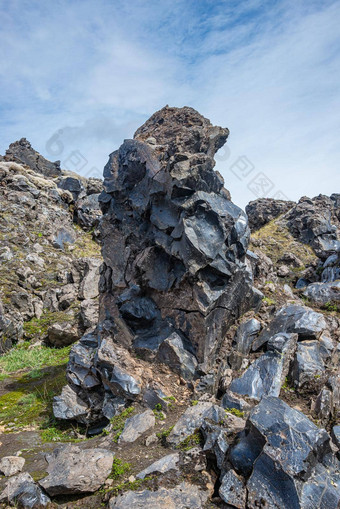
(174, 248)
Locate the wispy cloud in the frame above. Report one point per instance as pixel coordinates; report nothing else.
(96, 70)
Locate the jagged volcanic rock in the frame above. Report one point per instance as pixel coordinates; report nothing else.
(174, 249)
(22, 152)
(263, 210)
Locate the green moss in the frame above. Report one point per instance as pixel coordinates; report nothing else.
(194, 402)
(127, 486)
(85, 246)
(330, 306)
(119, 468)
(191, 441)
(165, 433)
(269, 301)
(235, 411)
(118, 422)
(31, 403)
(37, 328)
(279, 240)
(38, 475)
(158, 412)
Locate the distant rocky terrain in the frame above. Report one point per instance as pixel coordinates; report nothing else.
(204, 366)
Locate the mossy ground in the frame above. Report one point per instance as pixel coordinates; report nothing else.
(31, 377)
(278, 240)
(38, 327)
(29, 403)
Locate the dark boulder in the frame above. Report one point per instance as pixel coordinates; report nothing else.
(22, 152)
(263, 210)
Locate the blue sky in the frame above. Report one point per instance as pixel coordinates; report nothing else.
(78, 77)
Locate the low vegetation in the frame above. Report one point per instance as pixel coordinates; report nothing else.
(118, 422)
(23, 356)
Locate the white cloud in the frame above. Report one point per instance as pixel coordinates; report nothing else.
(96, 70)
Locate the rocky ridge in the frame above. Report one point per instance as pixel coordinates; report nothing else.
(213, 368)
(49, 254)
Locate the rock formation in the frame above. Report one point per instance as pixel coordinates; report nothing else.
(49, 268)
(175, 274)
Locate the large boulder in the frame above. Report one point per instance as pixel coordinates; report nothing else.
(22, 152)
(183, 496)
(73, 470)
(263, 210)
(288, 458)
(316, 222)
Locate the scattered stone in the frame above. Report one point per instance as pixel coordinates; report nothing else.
(62, 334)
(192, 419)
(283, 271)
(232, 400)
(161, 466)
(136, 425)
(305, 322)
(21, 491)
(323, 293)
(69, 405)
(183, 496)
(151, 439)
(73, 470)
(11, 465)
(215, 442)
(308, 363)
(172, 353)
(232, 490)
(266, 374)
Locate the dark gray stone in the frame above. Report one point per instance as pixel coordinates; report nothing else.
(22, 152)
(322, 490)
(73, 470)
(244, 337)
(308, 363)
(265, 375)
(183, 496)
(21, 491)
(137, 425)
(305, 322)
(232, 490)
(172, 353)
(262, 211)
(192, 419)
(232, 400)
(323, 293)
(336, 435)
(215, 442)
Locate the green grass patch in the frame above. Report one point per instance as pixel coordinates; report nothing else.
(22, 357)
(119, 468)
(118, 422)
(269, 301)
(30, 403)
(127, 486)
(164, 434)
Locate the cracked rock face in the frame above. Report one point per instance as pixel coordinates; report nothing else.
(174, 244)
(175, 274)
